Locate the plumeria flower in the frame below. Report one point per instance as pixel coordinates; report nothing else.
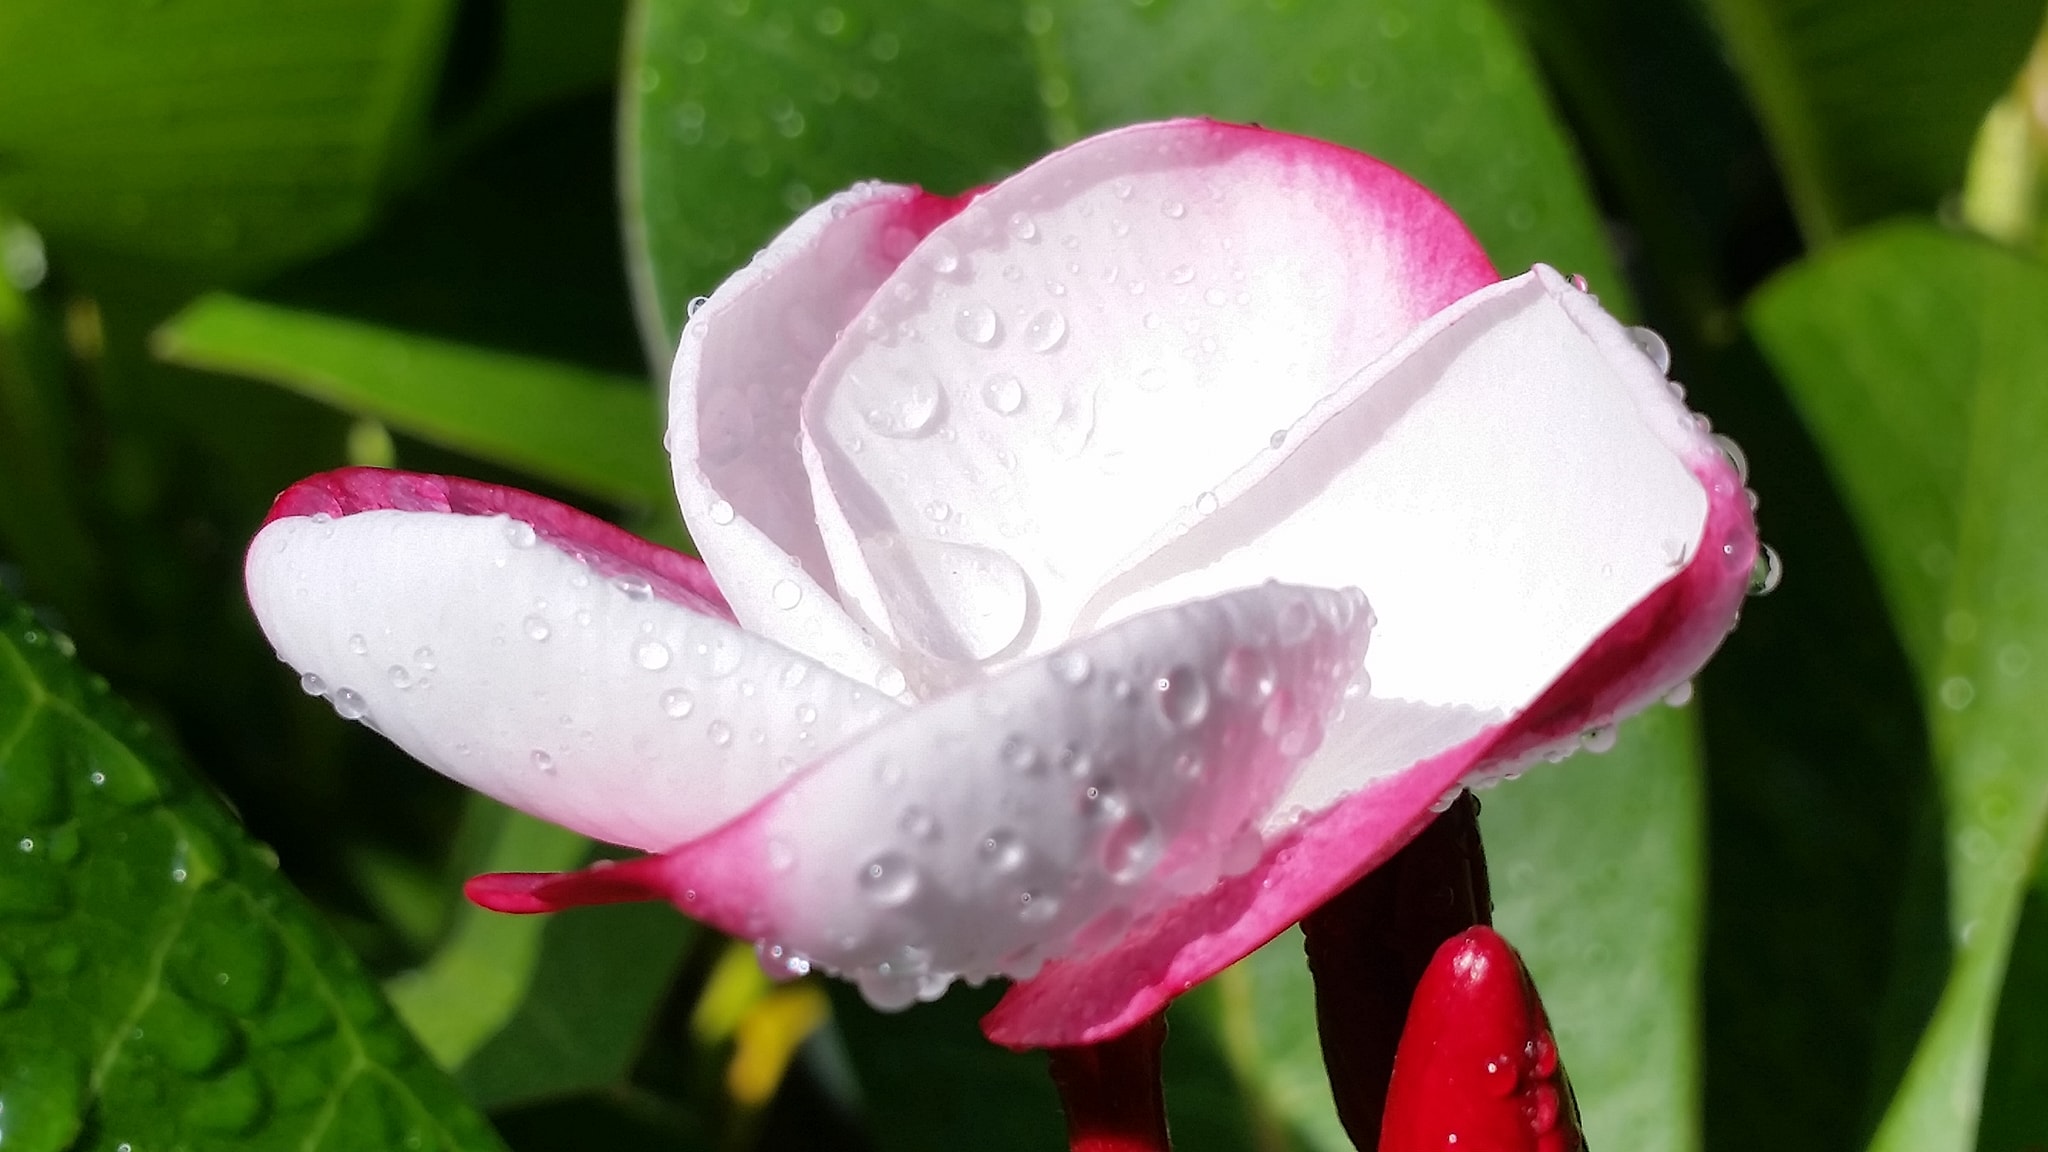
(1100, 570)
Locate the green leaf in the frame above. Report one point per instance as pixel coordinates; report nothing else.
(2015, 1114)
(158, 981)
(230, 134)
(1917, 357)
(1598, 879)
(1871, 105)
(594, 432)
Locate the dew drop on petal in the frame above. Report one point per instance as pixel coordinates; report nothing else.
(919, 824)
(977, 324)
(520, 533)
(1130, 848)
(1001, 851)
(652, 655)
(1768, 570)
(1072, 666)
(400, 678)
(890, 680)
(888, 880)
(1599, 739)
(634, 588)
(1023, 227)
(349, 704)
(719, 732)
(781, 857)
(1247, 674)
(542, 760)
(720, 512)
(1173, 209)
(424, 657)
(1206, 504)
(1652, 346)
(677, 703)
(358, 645)
(312, 685)
(907, 407)
(1046, 330)
(1019, 754)
(787, 594)
(1680, 696)
(1037, 907)
(1003, 393)
(536, 628)
(1183, 697)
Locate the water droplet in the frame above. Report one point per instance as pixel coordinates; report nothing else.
(919, 824)
(905, 408)
(1130, 848)
(938, 511)
(1680, 696)
(696, 302)
(1247, 674)
(1599, 739)
(1037, 907)
(1173, 209)
(787, 596)
(977, 324)
(1737, 459)
(1182, 274)
(720, 733)
(1072, 666)
(1046, 330)
(520, 533)
(890, 680)
(806, 714)
(1020, 754)
(943, 254)
(1502, 1076)
(721, 512)
(1206, 504)
(677, 703)
(1543, 1108)
(969, 603)
(536, 628)
(349, 704)
(719, 656)
(889, 879)
(1277, 439)
(358, 645)
(543, 761)
(1001, 850)
(781, 857)
(1122, 189)
(1183, 697)
(424, 657)
(1023, 227)
(400, 678)
(1768, 570)
(312, 685)
(1957, 692)
(1652, 346)
(1003, 393)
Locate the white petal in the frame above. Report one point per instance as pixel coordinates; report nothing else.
(1087, 348)
(1505, 486)
(746, 355)
(507, 664)
(1034, 814)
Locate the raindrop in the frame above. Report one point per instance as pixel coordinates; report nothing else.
(1768, 570)
(1183, 697)
(652, 655)
(1023, 227)
(905, 411)
(1680, 696)
(634, 588)
(312, 685)
(938, 511)
(1278, 438)
(806, 714)
(349, 705)
(1652, 346)
(721, 512)
(357, 644)
(919, 824)
(720, 733)
(536, 628)
(1502, 1076)
(1019, 754)
(1737, 459)
(889, 879)
(1072, 666)
(696, 302)
(424, 657)
(1131, 848)
(1001, 850)
(1037, 907)
(1247, 674)
(794, 673)
(720, 656)
(1173, 209)
(400, 678)
(1182, 274)
(677, 703)
(1003, 394)
(977, 324)
(945, 257)
(787, 596)
(1206, 504)
(1599, 739)
(1122, 188)
(972, 603)
(1046, 330)
(543, 761)
(890, 680)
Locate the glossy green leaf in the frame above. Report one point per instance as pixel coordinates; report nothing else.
(159, 984)
(584, 429)
(229, 134)
(1917, 357)
(1871, 105)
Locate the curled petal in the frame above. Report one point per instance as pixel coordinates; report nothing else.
(1035, 814)
(1085, 350)
(559, 665)
(747, 354)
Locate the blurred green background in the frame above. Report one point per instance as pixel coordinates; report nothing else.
(243, 241)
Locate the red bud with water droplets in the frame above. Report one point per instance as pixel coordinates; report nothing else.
(1477, 1069)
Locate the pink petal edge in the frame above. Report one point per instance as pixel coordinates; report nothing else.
(611, 550)
(1659, 643)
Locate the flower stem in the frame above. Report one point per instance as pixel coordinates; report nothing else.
(1368, 947)
(1112, 1092)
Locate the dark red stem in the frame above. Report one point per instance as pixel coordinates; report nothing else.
(1368, 948)
(1112, 1092)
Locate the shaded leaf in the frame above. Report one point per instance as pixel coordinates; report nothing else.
(1871, 104)
(160, 982)
(229, 134)
(1917, 357)
(571, 425)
